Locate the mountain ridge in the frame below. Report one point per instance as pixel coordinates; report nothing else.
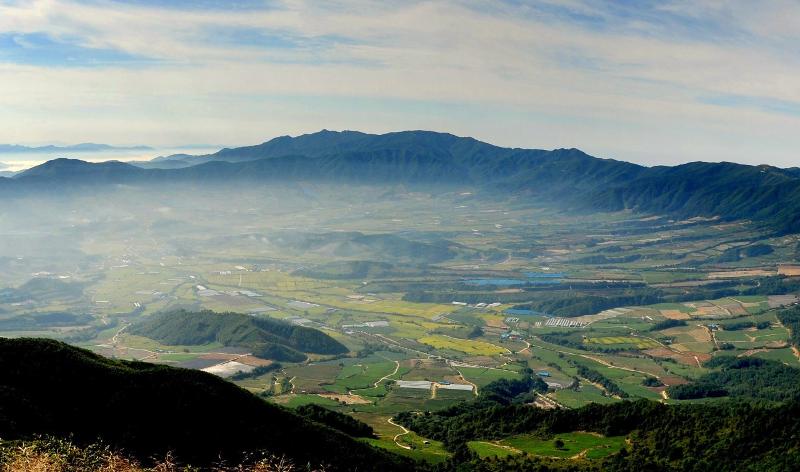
(79, 148)
(567, 177)
(150, 410)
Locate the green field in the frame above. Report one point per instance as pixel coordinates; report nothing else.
(575, 445)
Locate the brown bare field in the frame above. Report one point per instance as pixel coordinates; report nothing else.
(685, 356)
(219, 356)
(482, 360)
(712, 310)
(495, 322)
(672, 380)
(789, 270)
(674, 314)
(254, 361)
(775, 301)
(679, 347)
(750, 352)
(453, 378)
(735, 309)
(346, 399)
(659, 352)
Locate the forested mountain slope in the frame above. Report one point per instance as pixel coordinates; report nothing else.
(50, 388)
(439, 162)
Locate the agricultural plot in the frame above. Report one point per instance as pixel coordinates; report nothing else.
(425, 369)
(298, 400)
(481, 377)
(392, 438)
(467, 346)
(585, 395)
(486, 449)
(458, 395)
(256, 269)
(624, 341)
(314, 378)
(574, 445)
(362, 376)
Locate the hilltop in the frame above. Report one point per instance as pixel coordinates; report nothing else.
(50, 388)
(268, 338)
(74, 148)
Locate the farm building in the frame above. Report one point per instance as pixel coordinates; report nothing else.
(463, 387)
(417, 384)
(563, 322)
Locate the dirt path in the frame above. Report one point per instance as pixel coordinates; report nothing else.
(502, 446)
(713, 337)
(395, 439)
(474, 386)
(599, 361)
(612, 366)
(115, 338)
(527, 347)
(396, 368)
(550, 400)
(427, 355)
(795, 351)
(375, 385)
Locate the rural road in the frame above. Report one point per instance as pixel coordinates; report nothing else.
(405, 431)
(396, 368)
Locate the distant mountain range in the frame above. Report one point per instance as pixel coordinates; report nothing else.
(75, 148)
(566, 177)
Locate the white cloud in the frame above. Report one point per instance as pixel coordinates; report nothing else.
(514, 75)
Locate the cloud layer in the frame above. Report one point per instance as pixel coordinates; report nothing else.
(652, 82)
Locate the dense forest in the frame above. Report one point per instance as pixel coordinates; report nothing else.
(791, 319)
(268, 338)
(728, 436)
(51, 389)
(745, 377)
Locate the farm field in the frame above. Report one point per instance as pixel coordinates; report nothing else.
(462, 291)
(585, 445)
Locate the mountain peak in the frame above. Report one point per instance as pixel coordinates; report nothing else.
(66, 168)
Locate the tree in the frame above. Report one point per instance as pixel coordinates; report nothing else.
(558, 443)
(475, 333)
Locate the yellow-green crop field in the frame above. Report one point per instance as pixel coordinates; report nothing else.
(640, 343)
(467, 346)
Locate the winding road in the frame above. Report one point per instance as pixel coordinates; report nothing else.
(405, 431)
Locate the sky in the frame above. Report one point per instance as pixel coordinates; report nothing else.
(652, 82)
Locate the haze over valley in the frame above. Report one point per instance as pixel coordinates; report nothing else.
(379, 274)
(451, 236)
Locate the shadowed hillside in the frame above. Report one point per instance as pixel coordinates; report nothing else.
(50, 388)
(268, 338)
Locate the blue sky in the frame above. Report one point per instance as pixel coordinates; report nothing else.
(654, 82)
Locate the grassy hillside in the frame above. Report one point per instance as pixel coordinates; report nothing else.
(268, 338)
(50, 388)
